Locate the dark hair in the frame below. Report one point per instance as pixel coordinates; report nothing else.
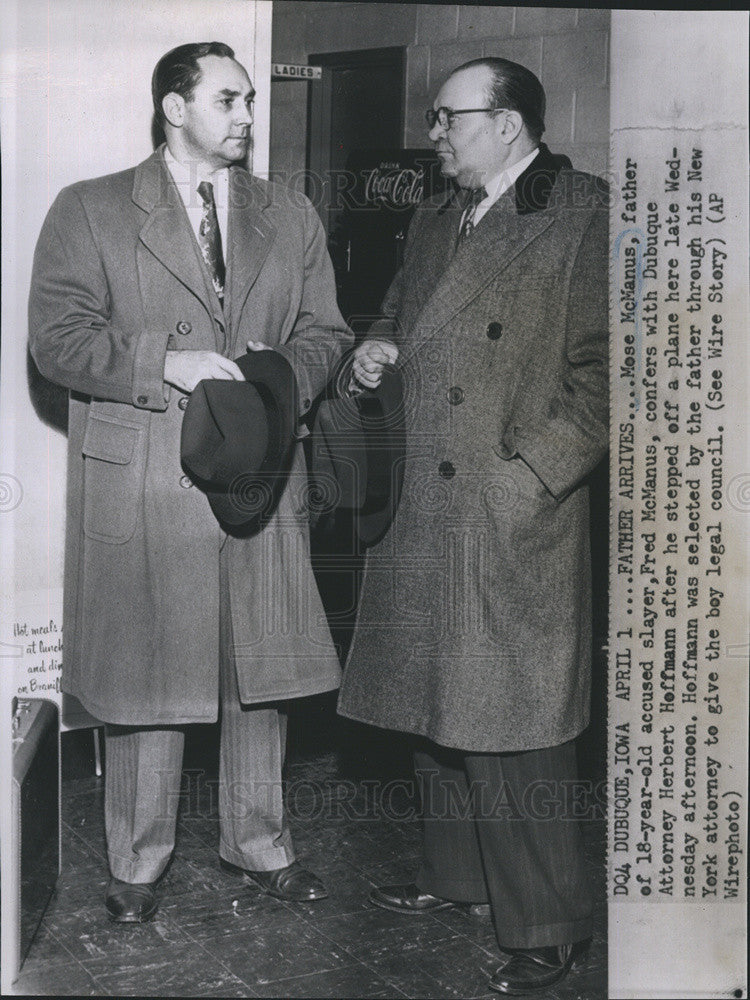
(514, 87)
(178, 71)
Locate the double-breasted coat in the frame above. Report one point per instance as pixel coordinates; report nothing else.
(474, 623)
(117, 281)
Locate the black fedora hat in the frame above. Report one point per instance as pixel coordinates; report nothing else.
(359, 448)
(238, 439)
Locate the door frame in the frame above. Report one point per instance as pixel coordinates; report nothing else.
(319, 93)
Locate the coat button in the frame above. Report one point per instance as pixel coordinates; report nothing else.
(183, 327)
(447, 470)
(495, 331)
(306, 404)
(186, 482)
(455, 395)
(141, 400)
(182, 402)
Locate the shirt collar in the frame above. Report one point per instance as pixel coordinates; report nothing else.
(500, 183)
(187, 177)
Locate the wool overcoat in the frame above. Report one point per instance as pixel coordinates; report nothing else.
(117, 281)
(474, 623)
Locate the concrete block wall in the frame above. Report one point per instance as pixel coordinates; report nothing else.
(566, 47)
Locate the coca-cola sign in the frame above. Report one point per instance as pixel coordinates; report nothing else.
(375, 198)
(381, 182)
(395, 186)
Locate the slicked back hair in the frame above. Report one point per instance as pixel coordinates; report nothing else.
(514, 87)
(178, 71)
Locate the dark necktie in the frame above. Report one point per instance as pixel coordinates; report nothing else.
(470, 207)
(209, 239)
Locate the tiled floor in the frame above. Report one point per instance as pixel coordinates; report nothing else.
(215, 935)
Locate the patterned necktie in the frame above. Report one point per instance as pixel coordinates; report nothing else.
(209, 239)
(470, 208)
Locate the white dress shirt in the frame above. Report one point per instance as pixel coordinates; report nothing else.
(187, 178)
(499, 184)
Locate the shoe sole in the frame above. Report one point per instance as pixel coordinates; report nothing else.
(142, 919)
(227, 866)
(528, 991)
(283, 896)
(519, 991)
(447, 905)
(291, 899)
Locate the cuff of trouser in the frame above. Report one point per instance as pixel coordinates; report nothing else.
(128, 871)
(457, 891)
(545, 935)
(262, 861)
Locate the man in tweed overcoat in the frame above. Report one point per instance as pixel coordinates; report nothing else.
(165, 614)
(474, 626)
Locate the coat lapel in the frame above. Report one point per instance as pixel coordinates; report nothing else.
(166, 232)
(251, 236)
(495, 243)
(517, 218)
(436, 249)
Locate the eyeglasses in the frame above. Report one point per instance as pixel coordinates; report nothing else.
(446, 116)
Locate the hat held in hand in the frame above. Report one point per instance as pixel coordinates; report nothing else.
(238, 439)
(359, 446)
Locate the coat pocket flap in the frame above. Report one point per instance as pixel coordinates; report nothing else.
(110, 441)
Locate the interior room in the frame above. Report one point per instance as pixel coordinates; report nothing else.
(342, 89)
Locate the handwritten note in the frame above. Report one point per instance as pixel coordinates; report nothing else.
(41, 644)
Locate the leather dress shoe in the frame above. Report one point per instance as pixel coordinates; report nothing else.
(409, 898)
(533, 969)
(130, 902)
(293, 884)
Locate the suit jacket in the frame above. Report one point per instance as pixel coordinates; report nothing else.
(474, 623)
(117, 281)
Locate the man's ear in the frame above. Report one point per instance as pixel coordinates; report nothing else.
(511, 126)
(173, 106)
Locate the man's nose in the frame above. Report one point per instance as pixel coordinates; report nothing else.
(243, 115)
(436, 131)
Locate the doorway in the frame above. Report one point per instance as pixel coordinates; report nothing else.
(357, 105)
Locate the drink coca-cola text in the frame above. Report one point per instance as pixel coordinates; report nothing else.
(400, 187)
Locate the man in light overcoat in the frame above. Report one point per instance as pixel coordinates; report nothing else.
(474, 628)
(145, 282)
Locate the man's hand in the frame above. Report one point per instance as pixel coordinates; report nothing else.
(369, 359)
(185, 369)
